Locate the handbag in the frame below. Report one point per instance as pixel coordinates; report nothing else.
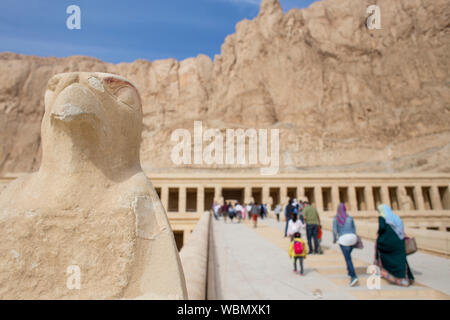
(410, 245)
(359, 244)
(348, 240)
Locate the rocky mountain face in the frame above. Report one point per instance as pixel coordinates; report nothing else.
(344, 98)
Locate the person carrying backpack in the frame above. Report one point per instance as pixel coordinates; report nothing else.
(297, 251)
(262, 210)
(254, 212)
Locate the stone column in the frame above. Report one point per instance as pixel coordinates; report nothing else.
(318, 198)
(265, 194)
(385, 195)
(405, 202)
(201, 200)
(300, 192)
(247, 194)
(419, 197)
(370, 201)
(218, 194)
(401, 192)
(435, 199)
(352, 198)
(165, 197)
(182, 200)
(334, 197)
(283, 196)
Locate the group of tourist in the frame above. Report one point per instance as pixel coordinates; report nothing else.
(230, 210)
(390, 253)
(302, 216)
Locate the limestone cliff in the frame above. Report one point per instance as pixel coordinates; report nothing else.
(345, 98)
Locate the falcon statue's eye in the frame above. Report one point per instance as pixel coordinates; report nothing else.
(127, 95)
(123, 91)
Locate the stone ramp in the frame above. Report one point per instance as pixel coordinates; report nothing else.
(331, 265)
(251, 266)
(254, 264)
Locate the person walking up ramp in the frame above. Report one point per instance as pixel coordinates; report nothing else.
(297, 251)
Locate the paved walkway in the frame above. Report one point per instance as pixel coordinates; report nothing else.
(253, 264)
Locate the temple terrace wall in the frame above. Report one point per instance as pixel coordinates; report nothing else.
(197, 257)
(421, 199)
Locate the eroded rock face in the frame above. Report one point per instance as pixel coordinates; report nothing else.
(89, 206)
(344, 98)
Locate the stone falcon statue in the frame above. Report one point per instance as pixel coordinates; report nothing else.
(88, 224)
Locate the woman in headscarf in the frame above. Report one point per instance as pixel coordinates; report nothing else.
(390, 255)
(344, 232)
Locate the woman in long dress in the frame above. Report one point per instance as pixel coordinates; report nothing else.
(390, 255)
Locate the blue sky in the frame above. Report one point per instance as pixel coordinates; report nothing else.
(123, 31)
